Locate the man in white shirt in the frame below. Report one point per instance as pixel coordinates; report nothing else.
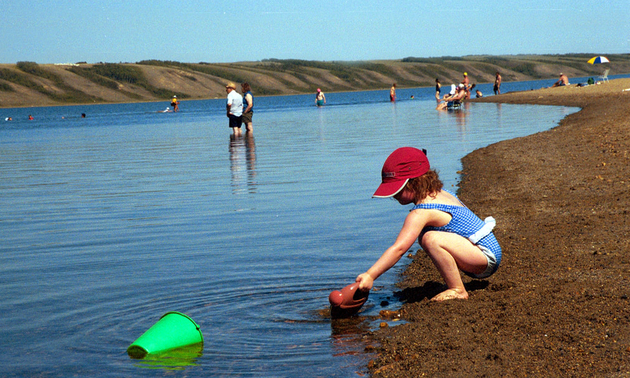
(234, 108)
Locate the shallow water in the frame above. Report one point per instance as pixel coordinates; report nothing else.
(108, 222)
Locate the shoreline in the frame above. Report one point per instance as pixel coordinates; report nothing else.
(559, 305)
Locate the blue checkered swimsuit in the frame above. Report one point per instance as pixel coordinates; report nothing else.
(465, 223)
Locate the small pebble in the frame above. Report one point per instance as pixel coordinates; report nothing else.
(389, 314)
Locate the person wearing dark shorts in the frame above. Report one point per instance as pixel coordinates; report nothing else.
(234, 109)
(235, 121)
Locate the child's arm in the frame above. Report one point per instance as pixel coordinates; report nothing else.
(414, 223)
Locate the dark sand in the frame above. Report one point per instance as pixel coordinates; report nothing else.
(559, 305)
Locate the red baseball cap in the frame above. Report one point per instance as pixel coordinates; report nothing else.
(401, 165)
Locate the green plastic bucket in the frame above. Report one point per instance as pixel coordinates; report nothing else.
(173, 330)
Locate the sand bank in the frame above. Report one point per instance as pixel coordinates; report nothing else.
(560, 303)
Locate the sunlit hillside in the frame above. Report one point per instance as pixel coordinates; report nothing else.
(32, 84)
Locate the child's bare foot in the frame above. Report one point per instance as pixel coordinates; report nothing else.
(451, 294)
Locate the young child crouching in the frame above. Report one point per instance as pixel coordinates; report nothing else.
(452, 235)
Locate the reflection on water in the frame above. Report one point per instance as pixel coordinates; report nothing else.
(348, 335)
(243, 163)
(175, 359)
(394, 116)
(457, 117)
(460, 116)
(499, 115)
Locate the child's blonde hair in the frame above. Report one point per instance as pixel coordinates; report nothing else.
(429, 184)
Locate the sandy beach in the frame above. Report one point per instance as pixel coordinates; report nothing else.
(559, 306)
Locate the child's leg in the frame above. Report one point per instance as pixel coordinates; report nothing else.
(451, 252)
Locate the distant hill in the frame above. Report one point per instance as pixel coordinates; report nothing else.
(32, 84)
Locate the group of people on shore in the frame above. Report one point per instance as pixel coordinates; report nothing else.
(456, 96)
(461, 92)
(240, 108)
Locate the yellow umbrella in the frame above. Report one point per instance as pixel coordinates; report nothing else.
(598, 60)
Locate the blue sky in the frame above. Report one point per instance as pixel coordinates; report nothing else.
(70, 31)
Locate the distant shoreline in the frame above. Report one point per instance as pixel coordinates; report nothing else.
(28, 84)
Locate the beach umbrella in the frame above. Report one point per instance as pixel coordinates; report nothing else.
(598, 60)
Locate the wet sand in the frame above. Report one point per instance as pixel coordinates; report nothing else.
(559, 306)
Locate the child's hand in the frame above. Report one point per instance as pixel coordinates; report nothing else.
(365, 281)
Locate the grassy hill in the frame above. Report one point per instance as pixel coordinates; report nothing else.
(32, 84)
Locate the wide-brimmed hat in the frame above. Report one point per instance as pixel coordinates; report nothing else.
(230, 85)
(403, 164)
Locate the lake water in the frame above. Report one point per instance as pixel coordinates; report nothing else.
(108, 222)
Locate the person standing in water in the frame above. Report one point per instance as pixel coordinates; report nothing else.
(175, 104)
(234, 109)
(248, 107)
(497, 84)
(392, 93)
(438, 89)
(467, 86)
(320, 98)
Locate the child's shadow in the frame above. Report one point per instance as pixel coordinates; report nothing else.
(432, 288)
